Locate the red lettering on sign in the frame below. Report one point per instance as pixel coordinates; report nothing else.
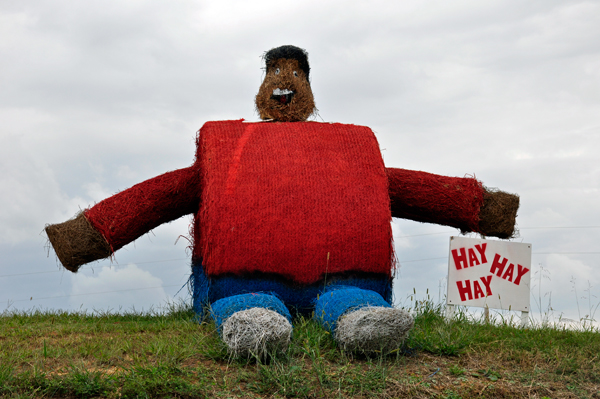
(486, 281)
(472, 258)
(520, 273)
(481, 249)
(498, 266)
(460, 259)
(508, 275)
(465, 290)
(477, 290)
(498, 269)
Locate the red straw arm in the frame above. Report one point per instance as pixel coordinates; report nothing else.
(133, 212)
(425, 197)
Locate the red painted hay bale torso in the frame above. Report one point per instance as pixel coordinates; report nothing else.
(298, 199)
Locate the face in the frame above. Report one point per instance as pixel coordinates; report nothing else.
(285, 94)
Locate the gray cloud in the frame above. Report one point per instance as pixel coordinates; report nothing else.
(96, 98)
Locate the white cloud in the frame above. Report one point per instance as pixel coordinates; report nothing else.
(571, 285)
(400, 242)
(567, 274)
(31, 195)
(96, 192)
(116, 288)
(97, 98)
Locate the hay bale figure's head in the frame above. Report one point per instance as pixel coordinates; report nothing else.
(285, 94)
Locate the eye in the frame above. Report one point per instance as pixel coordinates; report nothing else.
(277, 71)
(295, 74)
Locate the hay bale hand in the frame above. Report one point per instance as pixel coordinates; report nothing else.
(289, 215)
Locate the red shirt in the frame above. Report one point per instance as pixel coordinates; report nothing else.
(297, 199)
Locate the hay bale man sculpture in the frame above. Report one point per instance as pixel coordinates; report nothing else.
(289, 215)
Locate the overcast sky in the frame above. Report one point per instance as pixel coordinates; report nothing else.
(96, 97)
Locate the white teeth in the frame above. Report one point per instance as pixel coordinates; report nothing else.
(279, 92)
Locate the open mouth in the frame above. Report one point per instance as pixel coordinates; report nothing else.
(282, 96)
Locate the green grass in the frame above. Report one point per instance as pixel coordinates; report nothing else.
(143, 355)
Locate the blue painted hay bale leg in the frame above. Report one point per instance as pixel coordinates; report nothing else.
(338, 300)
(361, 320)
(255, 324)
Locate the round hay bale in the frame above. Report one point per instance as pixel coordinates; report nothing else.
(498, 214)
(76, 242)
(373, 329)
(256, 332)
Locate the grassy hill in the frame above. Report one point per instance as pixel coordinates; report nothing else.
(54, 354)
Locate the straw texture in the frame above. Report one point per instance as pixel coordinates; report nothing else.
(224, 308)
(131, 213)
(256, 332)
(76, 242)
(426, 197)
(299, 200)
(339, 300)
(373, 330)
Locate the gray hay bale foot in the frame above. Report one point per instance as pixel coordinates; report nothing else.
(256, 332)
(373, 330)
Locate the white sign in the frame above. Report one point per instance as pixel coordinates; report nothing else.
(489, 273)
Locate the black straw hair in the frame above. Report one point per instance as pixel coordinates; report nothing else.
(290, 53)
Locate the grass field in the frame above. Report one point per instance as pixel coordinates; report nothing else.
(54, 354)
